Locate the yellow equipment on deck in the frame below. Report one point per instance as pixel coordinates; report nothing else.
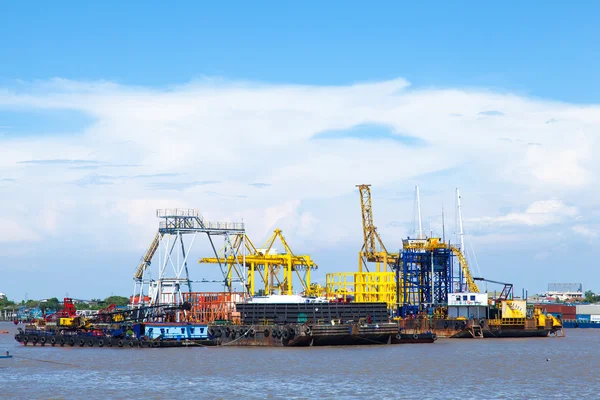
(362, 287)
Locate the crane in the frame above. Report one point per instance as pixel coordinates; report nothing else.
(145, 261)
(507, 291)
(269, 264)
(373, 249)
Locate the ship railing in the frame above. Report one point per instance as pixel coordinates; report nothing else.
(205, 225)
(177, 212)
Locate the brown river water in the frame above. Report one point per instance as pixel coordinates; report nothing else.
(565, 368)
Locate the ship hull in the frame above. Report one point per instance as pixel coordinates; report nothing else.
(42, 339)
(304, 335)
(463, 329)
(515, 333)
(406, 338)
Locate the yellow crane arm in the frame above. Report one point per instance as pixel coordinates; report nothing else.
(366, 208)
(139, 272)
(471, 285)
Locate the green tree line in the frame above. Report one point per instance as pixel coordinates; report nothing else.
(55, 304)
(591, 297)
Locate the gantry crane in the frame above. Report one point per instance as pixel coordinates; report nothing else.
(165, 286)
(274, 268)
(373, 249)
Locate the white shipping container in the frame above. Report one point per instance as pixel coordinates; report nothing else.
(591, 309)
(594, 318)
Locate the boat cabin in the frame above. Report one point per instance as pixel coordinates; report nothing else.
(174, 331)
(468, 305)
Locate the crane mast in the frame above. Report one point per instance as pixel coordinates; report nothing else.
(373, 249)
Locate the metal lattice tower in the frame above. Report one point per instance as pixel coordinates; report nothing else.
(428, 275)
(169, 245)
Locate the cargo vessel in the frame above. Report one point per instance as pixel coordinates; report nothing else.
(473, 315)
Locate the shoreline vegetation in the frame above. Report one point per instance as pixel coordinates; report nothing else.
(55, 304)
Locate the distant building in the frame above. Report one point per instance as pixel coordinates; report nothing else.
(564, 291)
(2, 296)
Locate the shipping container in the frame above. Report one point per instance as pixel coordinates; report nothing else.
(583, 317)
(559, 308)
(551, 307)
(590, 309)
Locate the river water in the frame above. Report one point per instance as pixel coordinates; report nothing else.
(449, 369)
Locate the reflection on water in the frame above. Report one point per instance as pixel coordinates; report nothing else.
(450, 368)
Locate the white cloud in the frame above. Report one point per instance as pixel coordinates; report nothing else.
(234, 134)
(12, 231)
(585, 231)
(558, 166)
(538, 213)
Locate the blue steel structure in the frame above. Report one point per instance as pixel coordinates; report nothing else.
(424, 278)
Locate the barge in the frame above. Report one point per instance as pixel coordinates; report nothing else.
(148, 335)
(308, 324)
(149, 327)
(284, 321)
(259, 324)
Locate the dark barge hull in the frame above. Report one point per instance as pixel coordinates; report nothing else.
(308, 324)
(406, 338)
(303, 335)
(44, 339)
(458, 329)
(515, 333)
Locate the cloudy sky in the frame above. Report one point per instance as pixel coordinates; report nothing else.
(273, 118)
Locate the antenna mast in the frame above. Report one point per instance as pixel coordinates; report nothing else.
(419, 213)
(460, 223)
(443, 226)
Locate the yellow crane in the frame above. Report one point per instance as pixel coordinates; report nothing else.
(373, 249)
(145, 262)
(275, 269)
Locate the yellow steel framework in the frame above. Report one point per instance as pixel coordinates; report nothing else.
(430, 244)
(373, 249)
(275, 269)
(366, 287)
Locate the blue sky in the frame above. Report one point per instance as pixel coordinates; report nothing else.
(272, 113)
(545, 49)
